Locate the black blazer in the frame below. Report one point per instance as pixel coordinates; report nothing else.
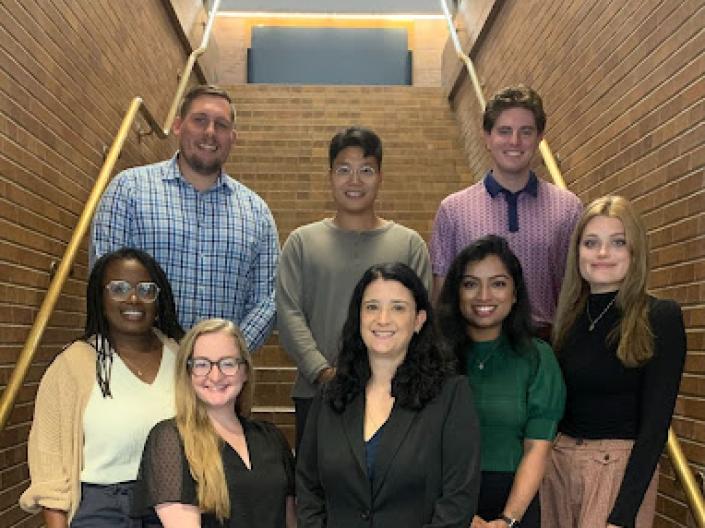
(427, 467)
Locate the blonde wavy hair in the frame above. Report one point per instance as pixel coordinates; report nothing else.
(201, 442)
(636, 341)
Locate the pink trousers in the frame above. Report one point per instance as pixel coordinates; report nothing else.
(582, 482)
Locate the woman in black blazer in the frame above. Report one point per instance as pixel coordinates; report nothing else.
(393, 439)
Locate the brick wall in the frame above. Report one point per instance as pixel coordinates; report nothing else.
(69, 71)
(622, 82)
(426, 40)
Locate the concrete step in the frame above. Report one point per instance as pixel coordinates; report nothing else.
(284, 374)
(271, 355)
(273, 394)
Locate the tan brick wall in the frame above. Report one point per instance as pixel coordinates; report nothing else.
(69, 71)
(426, 40)
(622, 82)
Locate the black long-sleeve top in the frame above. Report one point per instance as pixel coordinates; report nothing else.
(607, 400)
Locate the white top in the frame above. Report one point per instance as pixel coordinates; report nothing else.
(115, 429)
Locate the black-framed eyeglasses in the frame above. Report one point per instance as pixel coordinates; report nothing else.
(345, 171)
(121, 290)
(229, 366)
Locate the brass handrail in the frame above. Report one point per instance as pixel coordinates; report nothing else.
(548, 158)
(680, 463)
(24, 361)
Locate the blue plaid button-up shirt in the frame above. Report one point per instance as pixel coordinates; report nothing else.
(219, 248)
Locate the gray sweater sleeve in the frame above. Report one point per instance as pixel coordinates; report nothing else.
(420, 261)
(294, 332)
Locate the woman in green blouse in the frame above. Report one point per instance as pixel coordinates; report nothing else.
(484, 314)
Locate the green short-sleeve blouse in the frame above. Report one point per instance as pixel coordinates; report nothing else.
(518, 395)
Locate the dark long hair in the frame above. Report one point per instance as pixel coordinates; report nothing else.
(97, 325)
(452, 325)
(421, 375)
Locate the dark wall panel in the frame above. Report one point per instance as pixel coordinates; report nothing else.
(286, 55)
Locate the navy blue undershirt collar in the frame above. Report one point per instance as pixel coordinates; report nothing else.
(494, 189)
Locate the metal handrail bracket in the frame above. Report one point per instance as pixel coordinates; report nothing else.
(680, 463)
(26, 356)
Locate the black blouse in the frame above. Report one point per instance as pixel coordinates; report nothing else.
(257, 495)
(607, 400)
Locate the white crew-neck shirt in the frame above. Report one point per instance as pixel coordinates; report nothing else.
(115, 429)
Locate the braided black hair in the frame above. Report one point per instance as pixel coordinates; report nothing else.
(97, 331)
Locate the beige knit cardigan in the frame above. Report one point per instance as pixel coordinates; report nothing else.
(55, 447)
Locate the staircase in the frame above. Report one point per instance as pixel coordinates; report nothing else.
(282, 153)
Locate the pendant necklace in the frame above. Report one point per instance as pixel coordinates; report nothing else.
(132, 366)
(481, 364)
(593, 322)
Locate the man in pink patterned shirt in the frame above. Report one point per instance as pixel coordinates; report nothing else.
(536, 217)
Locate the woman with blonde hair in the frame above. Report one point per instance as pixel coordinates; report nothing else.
(621, 352)
(212, 465)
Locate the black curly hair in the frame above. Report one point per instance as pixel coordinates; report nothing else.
(421, 375)
(97, 331)
(452, 326)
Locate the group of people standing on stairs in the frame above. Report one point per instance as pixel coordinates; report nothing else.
(428, 393)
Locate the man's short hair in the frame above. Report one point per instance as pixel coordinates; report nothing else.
(205, 89)
(519, 96)
(355, 136)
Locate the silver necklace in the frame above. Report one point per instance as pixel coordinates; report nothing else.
(593, 322)
(481, 364)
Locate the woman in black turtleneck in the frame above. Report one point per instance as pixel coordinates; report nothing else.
(622, 353)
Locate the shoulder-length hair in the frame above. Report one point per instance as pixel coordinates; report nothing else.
(517, 326)
(201, 442)
(636, 342)
(96, 323)
(421, 374)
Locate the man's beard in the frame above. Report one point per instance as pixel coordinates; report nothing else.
(199, 166)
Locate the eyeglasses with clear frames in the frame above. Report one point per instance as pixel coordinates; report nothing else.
(345, 171)
(229, 366)
(120, 290)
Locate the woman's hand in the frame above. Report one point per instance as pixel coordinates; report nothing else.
(610, 525)
(325, 375)
(177, 515)
(478, 522)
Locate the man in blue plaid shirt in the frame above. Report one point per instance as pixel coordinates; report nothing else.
(215, 238)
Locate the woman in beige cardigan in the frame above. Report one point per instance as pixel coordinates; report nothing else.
(100, 396)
